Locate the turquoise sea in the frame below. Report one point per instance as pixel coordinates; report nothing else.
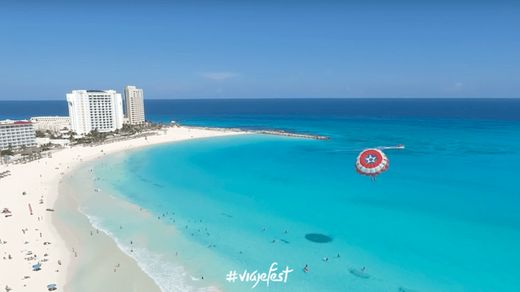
(444, 217)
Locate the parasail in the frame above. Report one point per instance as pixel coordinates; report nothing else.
(372, 162)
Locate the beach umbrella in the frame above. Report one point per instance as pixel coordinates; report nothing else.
(371, 162)
(37, 267)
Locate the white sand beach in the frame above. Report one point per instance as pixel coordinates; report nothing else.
(28, 233)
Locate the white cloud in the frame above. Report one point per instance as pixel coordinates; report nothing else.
(218, 75)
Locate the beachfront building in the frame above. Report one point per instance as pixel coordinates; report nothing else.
(54, 124)
(57, 142)
(100, 110)
(16, 134)
(134, 100)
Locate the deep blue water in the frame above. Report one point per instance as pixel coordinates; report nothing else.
(224, 110)
(444, 217)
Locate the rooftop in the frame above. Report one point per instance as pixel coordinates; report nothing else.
(11, 122)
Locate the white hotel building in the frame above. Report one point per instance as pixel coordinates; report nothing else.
(16, 134)
(54, 124)
(90, 110)
(134, 101)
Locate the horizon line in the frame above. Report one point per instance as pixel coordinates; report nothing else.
(273, 98)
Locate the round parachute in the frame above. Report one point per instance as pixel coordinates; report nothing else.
(371, 162)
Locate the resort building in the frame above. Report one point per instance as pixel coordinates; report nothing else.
(54, 142)
(134, 100)
(100, 110)
(16, 134)
(54, 124)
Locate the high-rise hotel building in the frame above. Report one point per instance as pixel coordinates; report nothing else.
(15, 134)
(134, 105)
(100, 110)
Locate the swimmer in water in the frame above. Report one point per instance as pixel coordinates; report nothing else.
(306, 268)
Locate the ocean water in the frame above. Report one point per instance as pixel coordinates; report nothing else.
(444, 217)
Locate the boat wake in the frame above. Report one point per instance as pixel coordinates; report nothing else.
(396, 147)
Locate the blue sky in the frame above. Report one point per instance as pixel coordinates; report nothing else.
(256, 49)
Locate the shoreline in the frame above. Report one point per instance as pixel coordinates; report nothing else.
(31, 225)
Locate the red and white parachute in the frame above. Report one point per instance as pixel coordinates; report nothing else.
(372, 162)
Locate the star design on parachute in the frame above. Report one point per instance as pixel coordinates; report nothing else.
(370, 159)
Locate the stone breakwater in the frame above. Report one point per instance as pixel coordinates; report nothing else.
(289, 134)
(265, 132)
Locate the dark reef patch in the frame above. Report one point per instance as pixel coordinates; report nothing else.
(318, 237)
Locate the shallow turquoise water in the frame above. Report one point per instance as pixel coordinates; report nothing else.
(445, 217)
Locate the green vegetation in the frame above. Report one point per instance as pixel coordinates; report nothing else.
(93, 137)
(40, 134)
(135, 129)
(127, 130)
(6, 152)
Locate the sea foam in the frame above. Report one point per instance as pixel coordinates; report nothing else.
(169, 277)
